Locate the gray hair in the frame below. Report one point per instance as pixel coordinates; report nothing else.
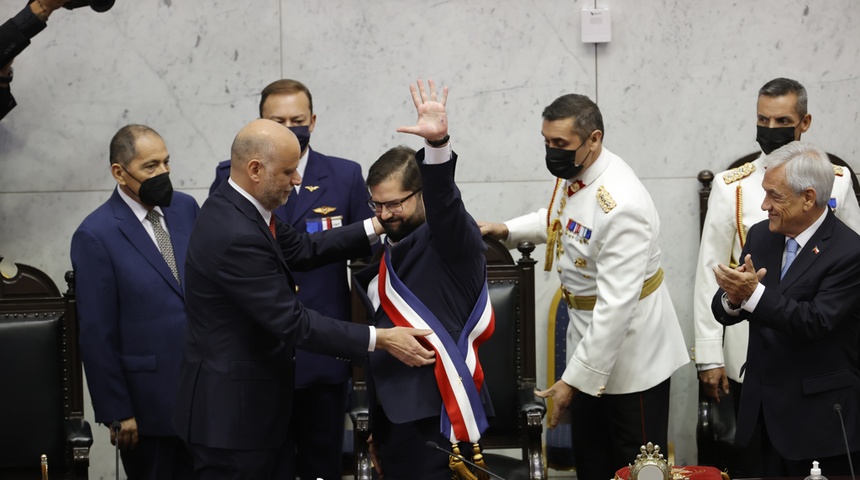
(806, 166)
(123, 147)
(779, 87)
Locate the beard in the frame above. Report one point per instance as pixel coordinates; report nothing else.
(398, 229)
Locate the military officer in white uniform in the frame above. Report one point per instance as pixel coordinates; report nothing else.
(733, 207)
(624, 340)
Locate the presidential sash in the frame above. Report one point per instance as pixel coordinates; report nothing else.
(458, 370)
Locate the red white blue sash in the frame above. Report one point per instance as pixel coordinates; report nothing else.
(457, 368)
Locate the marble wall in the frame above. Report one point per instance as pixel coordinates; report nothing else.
(677, 86)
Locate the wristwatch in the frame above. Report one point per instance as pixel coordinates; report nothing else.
(733, 306)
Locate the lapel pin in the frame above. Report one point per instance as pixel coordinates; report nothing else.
(815, 250)
(311, 188)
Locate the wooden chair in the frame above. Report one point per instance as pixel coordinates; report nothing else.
(508, 359)
(42, 399)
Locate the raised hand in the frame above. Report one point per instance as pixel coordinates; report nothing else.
(432, 124)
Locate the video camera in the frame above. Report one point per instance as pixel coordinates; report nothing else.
(97, 5)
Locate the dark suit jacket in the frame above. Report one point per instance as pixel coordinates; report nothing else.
(328, 182)
(132, 312)
(244, 321)
(443, 264)
(802, 356)
(15, 34)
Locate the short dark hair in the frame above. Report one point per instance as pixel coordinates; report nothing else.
(585, 114)
(122, 148)
(285, 86)
(399, 162)
(779, 87)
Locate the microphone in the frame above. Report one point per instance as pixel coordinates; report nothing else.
(838, 409)
(115, 427)
(436, 446)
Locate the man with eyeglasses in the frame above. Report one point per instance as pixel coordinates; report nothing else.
(432, 272)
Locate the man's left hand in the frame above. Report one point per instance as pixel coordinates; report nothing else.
(741, 282)
(561, 394)
(432, 122)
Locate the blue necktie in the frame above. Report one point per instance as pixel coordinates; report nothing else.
(790, 253)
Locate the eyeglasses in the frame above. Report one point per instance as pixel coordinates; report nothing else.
(393, 207)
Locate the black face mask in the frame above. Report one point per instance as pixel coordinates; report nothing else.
(771, 139)
(303, 134)
(562, 163)
(156, 191)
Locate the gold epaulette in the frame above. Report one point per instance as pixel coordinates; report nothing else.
(738, 173)
(605, 199)
(838, 171)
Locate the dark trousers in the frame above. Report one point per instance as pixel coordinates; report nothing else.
(222, 464)
(315, 444)
(775, 465)
(403, 452)
(609, 430)
(158, 458)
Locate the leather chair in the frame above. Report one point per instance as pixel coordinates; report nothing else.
(508, 359)
(42, 399)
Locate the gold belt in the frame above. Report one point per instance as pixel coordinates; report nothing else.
(582, 302)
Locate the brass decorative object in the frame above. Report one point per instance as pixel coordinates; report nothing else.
(650, 464)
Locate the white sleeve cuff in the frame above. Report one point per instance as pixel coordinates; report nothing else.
(372, 237)
(750, 304)
(436, 156)
(372, 345)
(708, 366)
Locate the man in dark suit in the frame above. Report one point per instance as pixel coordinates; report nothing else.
(434, 250)
(244, 320)
(15, 35)
(802, 311)
(332, 194)
(129, 261)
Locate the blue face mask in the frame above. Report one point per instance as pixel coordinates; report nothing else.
(303, 134)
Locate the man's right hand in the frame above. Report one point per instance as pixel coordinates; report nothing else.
(127, 438)
(495, 230)
(713, 380)
(44, 8)
(401, 342)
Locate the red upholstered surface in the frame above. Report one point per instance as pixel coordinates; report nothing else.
(679, 473)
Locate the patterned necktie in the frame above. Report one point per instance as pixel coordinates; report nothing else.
(790, 253)
(272, 225)
(162, 238)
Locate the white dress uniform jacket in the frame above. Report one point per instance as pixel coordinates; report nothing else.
(733, 207)
(607, 248)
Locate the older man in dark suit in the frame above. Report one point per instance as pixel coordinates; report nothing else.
(129, 259)
(332, 194)
(244, 320)
(802, 307)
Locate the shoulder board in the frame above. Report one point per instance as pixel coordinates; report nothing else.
(838, 170)
(605, 199)
(738, 173)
